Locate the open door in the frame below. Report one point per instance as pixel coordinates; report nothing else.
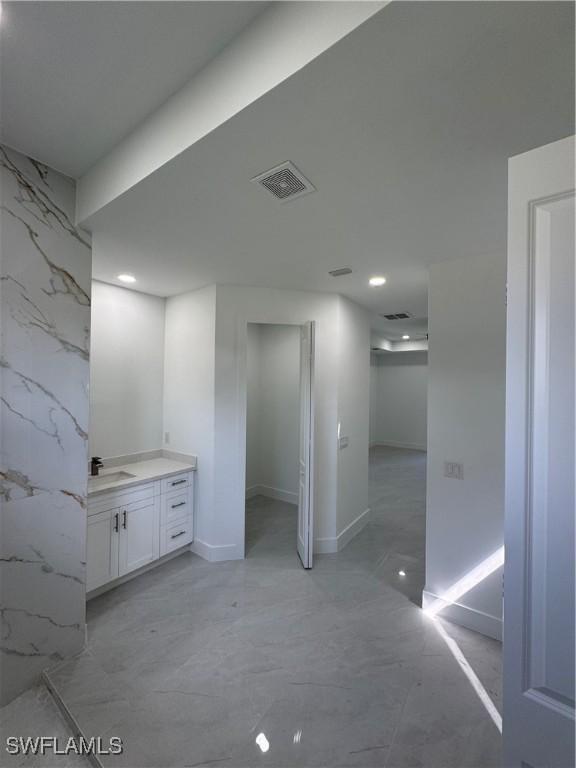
(306, 477)
(539, 570)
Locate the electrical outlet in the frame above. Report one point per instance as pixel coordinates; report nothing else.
(167, 438)
(343, 442)
(453, 470)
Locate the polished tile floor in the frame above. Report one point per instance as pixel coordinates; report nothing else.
(258, 662)
(35, 714)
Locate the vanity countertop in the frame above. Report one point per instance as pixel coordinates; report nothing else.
(140, 471)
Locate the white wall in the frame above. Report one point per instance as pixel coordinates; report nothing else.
(353, 367)
(220, 530)
(237, 306)
(126, 371)
(189, 391)
(205, 403)
(398, 398)
(253, 389)
(374, 397)
(273, 410)
(466, 409)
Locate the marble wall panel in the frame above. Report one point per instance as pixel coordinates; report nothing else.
(45, 272)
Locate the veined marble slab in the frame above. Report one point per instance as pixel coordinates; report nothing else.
(45, 318)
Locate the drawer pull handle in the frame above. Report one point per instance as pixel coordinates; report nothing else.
(124, 519)
(116, 522)
(176, 535)
(178, 482)
(180, 504)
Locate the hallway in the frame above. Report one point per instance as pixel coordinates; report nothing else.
(398, 519)
(258, 662)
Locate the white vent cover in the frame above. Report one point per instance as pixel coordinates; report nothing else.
(340, 272)
(285, 182)
(398, 316)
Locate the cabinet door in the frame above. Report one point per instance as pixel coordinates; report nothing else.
(102, 548)
(139, 534)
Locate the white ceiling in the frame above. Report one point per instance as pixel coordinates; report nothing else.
(79, 76)
(404, 127)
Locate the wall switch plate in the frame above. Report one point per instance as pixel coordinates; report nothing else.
(343, 442)
(454, 470)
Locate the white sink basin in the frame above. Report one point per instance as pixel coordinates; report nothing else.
(108, 477)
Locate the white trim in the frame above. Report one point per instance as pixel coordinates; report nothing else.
(253, 490)
(457, 613)
(330, 545)
(272, 493)
(216, 553)
(394, 444)
(327, 546)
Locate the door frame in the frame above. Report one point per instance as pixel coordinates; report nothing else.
(241, 398)
(538, 725)
(305, 544)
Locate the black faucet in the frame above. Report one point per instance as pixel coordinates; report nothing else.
(95, 465)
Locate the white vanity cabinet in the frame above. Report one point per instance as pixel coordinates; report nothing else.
(129, 528)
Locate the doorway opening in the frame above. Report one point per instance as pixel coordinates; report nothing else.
(279, 441)
(398, 426)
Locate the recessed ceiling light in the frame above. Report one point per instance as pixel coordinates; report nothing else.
(401, 573)
(405, 336)
(377, 281)
(125, 278)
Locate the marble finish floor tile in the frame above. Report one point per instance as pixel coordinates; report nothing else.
(258, 662)
(34, 714)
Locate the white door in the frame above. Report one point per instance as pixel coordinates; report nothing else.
(539, 570)
(102, 548)
(139, 534)
(306, 478)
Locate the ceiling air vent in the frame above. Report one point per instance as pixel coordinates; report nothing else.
(285, 182)
(398, 316)
(340, 272)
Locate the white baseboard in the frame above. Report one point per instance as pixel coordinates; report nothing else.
(481, 622)
(394, 444)
(216, 553)
(328, 546)
(272, 493)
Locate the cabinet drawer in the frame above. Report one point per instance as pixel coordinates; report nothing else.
(122, 497)
(176, 482)
(177, 535)
(176, 506)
